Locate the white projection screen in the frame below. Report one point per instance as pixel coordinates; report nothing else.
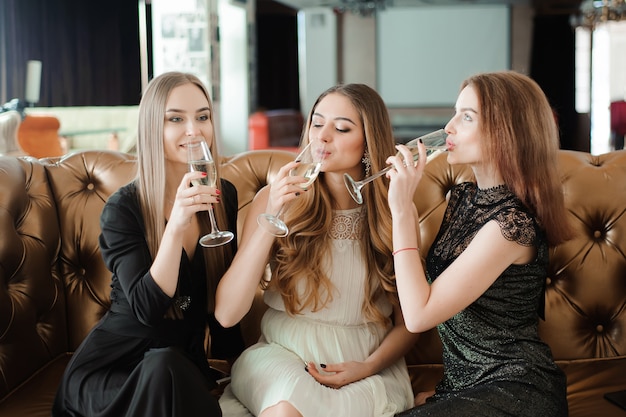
(425, 52)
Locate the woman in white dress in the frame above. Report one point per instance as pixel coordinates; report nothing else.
(333, 338)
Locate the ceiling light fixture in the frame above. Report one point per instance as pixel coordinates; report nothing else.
(363, 7)
(593, 12)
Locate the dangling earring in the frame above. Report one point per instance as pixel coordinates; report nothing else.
(367, 162)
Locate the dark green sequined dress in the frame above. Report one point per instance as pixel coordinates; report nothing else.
(495, 364)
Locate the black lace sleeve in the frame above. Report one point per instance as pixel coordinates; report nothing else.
(517, 226)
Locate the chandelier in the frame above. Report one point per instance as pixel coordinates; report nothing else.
(593, 12)
(363, 7)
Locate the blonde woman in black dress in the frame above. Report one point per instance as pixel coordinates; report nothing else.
(146, 357)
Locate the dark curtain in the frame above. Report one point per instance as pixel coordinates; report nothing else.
(553, 67)
(277, 61)
(89, 50)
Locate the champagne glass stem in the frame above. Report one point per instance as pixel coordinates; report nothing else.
(374, 176)
(214, 228)
(199, 158)
(279, 214)
(434, 141)
(273, 223)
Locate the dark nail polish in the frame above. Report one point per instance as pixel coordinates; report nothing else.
(297, 194)
(421, 141)
(323, 365)
(306, 368)
(218, 199)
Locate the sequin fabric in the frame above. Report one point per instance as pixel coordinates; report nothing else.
(495, 364)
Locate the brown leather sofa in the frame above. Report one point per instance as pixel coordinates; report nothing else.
(54, 286)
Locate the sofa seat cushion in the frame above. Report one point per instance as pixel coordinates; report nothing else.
(587, 382)
(34, 397)
(424, 377)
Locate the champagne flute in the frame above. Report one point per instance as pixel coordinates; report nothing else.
(434, 141)
(199, 158)
(309, 167)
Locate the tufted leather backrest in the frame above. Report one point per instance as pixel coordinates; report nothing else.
(32, 299)
(586, 287)
(586, 290)
(54, 286)
(81, 183)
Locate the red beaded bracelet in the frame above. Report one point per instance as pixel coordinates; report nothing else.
(395, 252)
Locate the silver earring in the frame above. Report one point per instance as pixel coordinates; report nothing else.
(367, 162)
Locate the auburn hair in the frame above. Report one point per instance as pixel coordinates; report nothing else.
(521, 139)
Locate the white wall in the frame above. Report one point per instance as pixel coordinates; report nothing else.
(317, 53)
(357, 50)
(608, 81)
(233, 101)
(617, 60)
(357, 55)
(424, 53)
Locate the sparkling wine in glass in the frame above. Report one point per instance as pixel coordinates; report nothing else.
(434, 141)
(310, 163)
(199, 158)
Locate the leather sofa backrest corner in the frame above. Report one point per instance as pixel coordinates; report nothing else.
(32, 299)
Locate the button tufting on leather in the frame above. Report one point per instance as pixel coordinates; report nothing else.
(600, 328)
(597, 234)
(91, 186)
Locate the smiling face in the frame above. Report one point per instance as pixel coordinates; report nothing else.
(187, 118)
(464, 130)
(337, 125)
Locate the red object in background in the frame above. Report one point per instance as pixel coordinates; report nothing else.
(618, 117)
(38, 136)
(618, 124)
(276, 129)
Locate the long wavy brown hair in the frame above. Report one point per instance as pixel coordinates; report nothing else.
(522, 141)
(151, 173)
(298, 258)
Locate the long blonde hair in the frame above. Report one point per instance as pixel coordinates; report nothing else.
(151, 173)
(522, 141)
(300, 254)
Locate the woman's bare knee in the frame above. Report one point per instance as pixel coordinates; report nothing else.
(281, 409)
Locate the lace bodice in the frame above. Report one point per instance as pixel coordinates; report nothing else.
(347, 224)
(468, 210)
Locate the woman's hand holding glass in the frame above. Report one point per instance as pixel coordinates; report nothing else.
(404, 178)
(292, 179)
(283, 189)
(191, 199)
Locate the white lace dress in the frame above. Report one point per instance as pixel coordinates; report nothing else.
(273, 369)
